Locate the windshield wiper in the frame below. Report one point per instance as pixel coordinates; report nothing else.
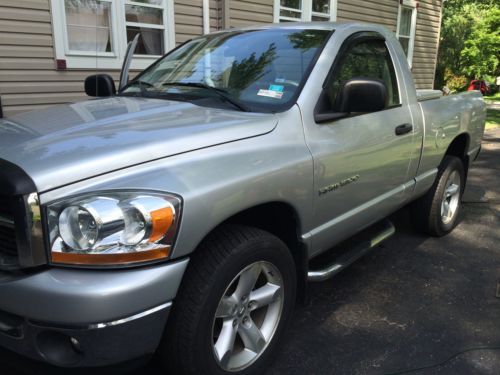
(220, 92)
(141, 85)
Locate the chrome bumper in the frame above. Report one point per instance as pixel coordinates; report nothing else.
(86, 318)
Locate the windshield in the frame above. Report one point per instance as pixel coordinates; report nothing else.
(257, 70)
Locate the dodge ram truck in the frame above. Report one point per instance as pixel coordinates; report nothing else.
(184, 213)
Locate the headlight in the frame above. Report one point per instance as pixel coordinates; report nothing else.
(115, 228)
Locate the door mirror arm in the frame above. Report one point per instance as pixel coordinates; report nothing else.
(329, 116)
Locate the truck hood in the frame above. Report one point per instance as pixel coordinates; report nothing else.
(67, 143)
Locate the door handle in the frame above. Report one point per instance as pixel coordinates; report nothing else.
(403, 129)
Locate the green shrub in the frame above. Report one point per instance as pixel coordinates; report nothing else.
(455, 82)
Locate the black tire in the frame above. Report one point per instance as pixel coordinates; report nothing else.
(188, 339)
(427, 211)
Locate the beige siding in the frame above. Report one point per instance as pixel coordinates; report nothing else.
(188, 15)
(216, 15)
(426, 43)
(189, 18)
(28, 78)
(383, 12)
(249, 12)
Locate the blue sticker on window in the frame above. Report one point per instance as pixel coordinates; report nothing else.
(276, 88)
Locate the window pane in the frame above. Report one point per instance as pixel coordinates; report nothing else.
(150, 42)
(89, 25)
(140, 14)
(291, 14)
(295, 4)
(369, 59)
(405, 43)
(321, 6)
(405, 22)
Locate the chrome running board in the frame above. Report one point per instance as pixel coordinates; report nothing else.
(378, 233)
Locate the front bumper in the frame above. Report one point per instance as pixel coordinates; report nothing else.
(87, 318)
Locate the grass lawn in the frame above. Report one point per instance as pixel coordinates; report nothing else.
(493, 118)
(493, 98)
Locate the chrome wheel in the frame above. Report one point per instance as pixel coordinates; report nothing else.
(451, 197)
(247, 316)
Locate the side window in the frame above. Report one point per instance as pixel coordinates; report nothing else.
(365, 59)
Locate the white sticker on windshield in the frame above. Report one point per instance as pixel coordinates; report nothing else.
(270, 93)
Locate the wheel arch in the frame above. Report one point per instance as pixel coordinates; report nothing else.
(459, 147)
(282, 220)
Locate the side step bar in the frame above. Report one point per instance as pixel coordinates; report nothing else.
(384, 230)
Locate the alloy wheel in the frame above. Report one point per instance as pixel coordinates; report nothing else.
(247, 316)
(451, 197)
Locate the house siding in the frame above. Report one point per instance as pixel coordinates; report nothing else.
(29, 79)
(28, 76)
(426, 43)
(189, 18)
(382, 12)
(248, 12)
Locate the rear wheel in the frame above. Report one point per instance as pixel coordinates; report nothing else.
(436, 213)
(233, 305)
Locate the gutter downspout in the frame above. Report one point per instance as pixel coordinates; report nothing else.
(206, 17)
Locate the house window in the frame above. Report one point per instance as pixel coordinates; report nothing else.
(95, 33)
(88, 26)
(321, 10)
(407, 18)
(304, 10)
(146, 19)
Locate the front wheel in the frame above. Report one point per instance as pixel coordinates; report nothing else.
(436, 213)
(233, 306)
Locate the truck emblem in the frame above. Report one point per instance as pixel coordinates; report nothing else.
(338, 185)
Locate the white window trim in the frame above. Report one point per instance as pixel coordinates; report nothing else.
(109, 60)
(409, 4)
(306, 12)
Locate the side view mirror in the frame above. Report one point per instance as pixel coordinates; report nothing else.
(100, 85)
(358, 95)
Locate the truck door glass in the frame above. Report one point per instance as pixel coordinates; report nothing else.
(365, 59)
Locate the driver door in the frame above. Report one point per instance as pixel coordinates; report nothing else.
(360, 164)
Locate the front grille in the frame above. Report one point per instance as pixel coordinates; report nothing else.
(8, 241)
(8, 244)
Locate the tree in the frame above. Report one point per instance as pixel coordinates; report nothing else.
(482, 49)
(469, 46)
(251, 69)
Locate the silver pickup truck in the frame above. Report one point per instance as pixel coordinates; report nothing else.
(181, 215)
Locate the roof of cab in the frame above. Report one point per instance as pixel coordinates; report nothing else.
(320, 25)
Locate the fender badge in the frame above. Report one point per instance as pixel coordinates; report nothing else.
(338, 185)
